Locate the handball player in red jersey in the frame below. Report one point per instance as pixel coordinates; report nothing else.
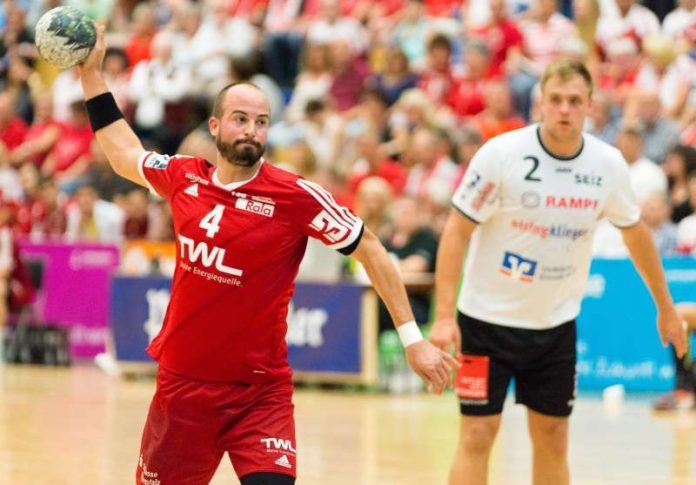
(224, 384)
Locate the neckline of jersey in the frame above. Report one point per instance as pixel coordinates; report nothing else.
(234, 185)
(559, 157)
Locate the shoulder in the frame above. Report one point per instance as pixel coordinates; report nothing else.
(513, 141)
(278, 176)
(162, 162)
(601, 150)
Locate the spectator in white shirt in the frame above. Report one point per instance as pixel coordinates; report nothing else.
(90, 218)
(632, 18)
(646, 177)
(330, 26)
(686, 230)
(679, 19)
(156, 82)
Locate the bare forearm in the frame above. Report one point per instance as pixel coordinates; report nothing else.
(448, 269)
(120, 144)
(642, 250)
(384, 277)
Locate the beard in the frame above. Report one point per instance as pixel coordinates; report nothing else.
(236, 154)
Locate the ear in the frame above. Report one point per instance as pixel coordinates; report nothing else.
(213, 126)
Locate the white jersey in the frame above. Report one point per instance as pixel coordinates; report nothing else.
(529, 258)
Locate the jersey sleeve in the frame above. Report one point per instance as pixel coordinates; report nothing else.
(159, 172)
(621, 208)
(322, 218)
(477, 193)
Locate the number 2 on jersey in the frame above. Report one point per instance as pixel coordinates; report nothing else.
(211, 221)
(535, 165)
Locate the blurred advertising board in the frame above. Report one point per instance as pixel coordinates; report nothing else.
(74, 291)
(617, 336)
(332, 328)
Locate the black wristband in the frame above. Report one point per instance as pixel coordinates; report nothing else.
(102, 111)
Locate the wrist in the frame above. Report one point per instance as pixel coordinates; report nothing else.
(409, 333)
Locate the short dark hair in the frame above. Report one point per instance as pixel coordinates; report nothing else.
(565, 69)
(440, 41)
(217, 104)
(686, 153)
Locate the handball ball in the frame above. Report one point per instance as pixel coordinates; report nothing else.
(65, 36)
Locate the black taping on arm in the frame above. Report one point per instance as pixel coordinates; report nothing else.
(102, 111)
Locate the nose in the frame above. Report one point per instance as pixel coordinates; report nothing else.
(250, 129)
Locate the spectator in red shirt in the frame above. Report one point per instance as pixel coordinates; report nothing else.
(41, 135)
(373, 162)
(437, 79)
(12, 128)
(501, 34)
(349, 74)
(69, 158)
(467, 95)
(499, 116)
(138, 45)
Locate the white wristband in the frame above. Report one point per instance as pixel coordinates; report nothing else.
(409, 333)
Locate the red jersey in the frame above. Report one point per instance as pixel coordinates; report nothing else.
(239, 247)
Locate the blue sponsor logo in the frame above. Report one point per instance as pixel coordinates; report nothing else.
(518, 267)
(158, 162)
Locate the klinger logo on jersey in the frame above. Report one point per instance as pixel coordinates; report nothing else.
(518, 267)
(560, 202)
(261, 208)
(277, 445)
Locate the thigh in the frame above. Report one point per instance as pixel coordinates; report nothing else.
(261, 437)
(178, 443)
(484, 376)
(548, 386)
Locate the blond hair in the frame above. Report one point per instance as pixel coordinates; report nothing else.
(566, 69)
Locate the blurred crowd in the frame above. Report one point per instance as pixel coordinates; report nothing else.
(383, 102)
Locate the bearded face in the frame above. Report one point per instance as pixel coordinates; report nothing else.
(243, 153)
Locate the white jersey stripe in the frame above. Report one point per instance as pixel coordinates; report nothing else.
(342, 211)
(332, 208)
(329, 198)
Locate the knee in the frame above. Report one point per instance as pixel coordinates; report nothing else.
(477, 436)
(552, 436)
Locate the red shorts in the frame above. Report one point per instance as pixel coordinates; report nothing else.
(191, 424)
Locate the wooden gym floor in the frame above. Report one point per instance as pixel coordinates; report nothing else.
(78, 426)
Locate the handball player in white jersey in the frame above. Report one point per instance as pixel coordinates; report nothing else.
(224, 384)
(527, 210)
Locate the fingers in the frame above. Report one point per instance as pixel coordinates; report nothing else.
(451, 361)
(680, 342)
(457, 341)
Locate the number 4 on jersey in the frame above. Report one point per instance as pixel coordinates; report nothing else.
(211, 222)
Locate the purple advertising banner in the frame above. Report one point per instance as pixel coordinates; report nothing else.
(75, 290)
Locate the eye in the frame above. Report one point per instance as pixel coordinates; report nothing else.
(239, 119)
(263, 122)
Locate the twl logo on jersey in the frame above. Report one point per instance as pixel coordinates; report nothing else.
(518, 267)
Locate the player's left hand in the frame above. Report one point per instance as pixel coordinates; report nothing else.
(432, 364)
(672, 329)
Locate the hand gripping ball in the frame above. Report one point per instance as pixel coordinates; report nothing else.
(65, 36)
